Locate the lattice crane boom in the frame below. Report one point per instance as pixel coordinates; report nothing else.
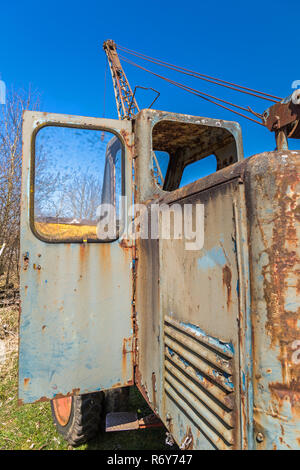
(127, 106)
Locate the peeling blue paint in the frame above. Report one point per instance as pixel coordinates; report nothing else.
(212, 258)
(226, 376)
(244, 381)
(225, 347)
(216, 373)
(200, 376)
(234, 244)
(170, 351)
(186, 363)
(229, 383)
(291, 306)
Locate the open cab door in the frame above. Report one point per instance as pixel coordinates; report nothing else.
(76, 332)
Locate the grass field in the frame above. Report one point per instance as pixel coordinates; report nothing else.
(30, 426)
(66, 231)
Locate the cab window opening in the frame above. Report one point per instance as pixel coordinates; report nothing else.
(194, 151)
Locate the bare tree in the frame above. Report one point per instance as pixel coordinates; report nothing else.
(48, 185)
(68, 173)
(61, 194)
(83, 195)
(10, 175)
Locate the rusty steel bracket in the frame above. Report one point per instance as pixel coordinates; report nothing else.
(150, 421)
(128, 421)
(283, 118)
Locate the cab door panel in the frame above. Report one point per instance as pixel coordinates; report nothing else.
(76, 321)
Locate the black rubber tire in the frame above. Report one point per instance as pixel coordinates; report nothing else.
(116, 399)
(85, 418)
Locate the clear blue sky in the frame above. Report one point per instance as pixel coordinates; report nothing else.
(57, 47)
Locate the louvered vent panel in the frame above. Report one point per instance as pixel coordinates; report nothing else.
(199, 379)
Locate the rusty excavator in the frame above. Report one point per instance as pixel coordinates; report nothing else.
(204, 321)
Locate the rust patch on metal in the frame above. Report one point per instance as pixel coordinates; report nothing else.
(105, 256)
(129, 383)
(283, 262)
(126, 136)
(227, 276)
(282, 393)
(170, 423)
(188, 440)
(276, 215)
(127, 348)
(124, 359)
(150, 421)
(26, 382)
(75, 391)
(281, 115)
(125, 243)
(154, 389)
(116, 385)
(25, 261)
(233, 172)
(169, 136)
(83, 248)
(142, 388)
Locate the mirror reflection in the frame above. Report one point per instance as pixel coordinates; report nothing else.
(76, 170)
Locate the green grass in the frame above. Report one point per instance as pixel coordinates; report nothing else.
(30, 426)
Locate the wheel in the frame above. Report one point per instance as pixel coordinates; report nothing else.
(78, 418)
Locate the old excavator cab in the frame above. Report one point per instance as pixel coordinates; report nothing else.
(208, 331)
(153, 254)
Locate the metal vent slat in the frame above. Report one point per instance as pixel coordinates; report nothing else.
(219, 346)
(198, 377)
(206, 400)
(202, 410)
(204, 367)
(199, 349)
(214, 438)
(210, 388)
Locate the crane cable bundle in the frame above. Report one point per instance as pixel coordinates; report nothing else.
(205, 96)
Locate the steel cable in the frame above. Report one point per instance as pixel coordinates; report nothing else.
(215, 81)
(199, 93)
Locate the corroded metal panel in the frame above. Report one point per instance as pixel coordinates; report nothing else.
(192, 307)
(273, 187)
(251, 227)
(213, 333)
(159, 130)
(199, 372)
(199, 290)
(76, 331)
